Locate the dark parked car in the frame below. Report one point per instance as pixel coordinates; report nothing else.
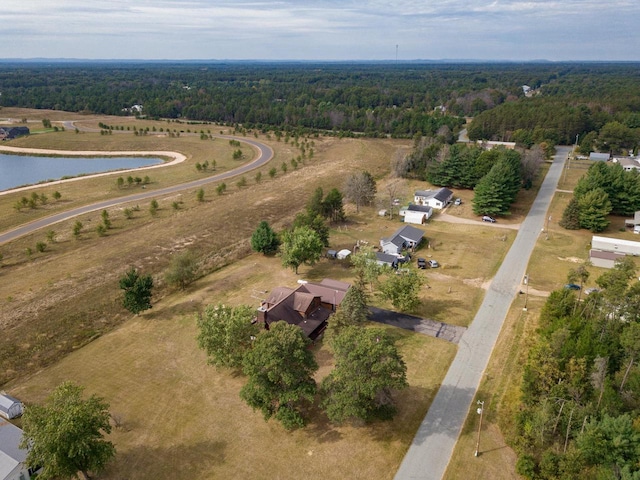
(422, 263)
(572, 286)
(487, 218)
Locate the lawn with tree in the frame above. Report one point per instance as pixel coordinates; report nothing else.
(226, 334)
(302, 245)
(65, 435)
(368, 370)
(279, 370)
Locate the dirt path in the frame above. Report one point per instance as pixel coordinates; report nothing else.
(445, 217)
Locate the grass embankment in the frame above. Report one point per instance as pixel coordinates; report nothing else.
(53, 302)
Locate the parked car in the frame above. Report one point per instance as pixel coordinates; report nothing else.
(422, 263)
(591, 290)
(572, 286)
(489, 219)
(433, 264)
(458, 201)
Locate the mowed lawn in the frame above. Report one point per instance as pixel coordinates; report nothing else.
(184, 419)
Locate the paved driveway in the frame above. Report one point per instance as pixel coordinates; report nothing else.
(450, 333)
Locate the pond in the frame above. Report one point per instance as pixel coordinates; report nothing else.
(20, 170)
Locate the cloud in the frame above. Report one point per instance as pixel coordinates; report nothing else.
(322, 29)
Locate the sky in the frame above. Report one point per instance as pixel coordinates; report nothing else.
(343, 30)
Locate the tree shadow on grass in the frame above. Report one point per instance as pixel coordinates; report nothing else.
(177, 462)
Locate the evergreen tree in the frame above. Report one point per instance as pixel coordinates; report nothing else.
(137, 291)
(332, 204)
(594, 208)
(571, 215)
(264, 239)
(353, 310)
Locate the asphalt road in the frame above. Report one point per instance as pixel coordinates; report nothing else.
(265, 153)
(431, 449)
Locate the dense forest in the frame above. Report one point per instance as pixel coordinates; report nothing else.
(403, 100)
(580, 391)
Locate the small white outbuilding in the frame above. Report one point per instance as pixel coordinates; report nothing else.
(10, 407)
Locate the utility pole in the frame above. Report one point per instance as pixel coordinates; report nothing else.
(480, 411)
(526, 294)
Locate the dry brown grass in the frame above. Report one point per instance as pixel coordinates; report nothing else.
(54, 302)
(184, 419)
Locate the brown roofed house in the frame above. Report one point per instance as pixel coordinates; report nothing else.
(308, 306)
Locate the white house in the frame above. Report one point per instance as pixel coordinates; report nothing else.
(606, 251)
(10, 407)
(12, 457)
(628, 163)
(404, 237)
(417, 214)
(490, 144)
(433, 198)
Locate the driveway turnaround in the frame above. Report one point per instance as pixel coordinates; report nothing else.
(444, 331)
(265, 153)
(430, 452)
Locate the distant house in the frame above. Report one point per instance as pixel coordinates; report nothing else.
(599, 157)
(308, 306)
(490, 144)
(406, 237)
(10, 407)
(605, 251)
(9, 133)
(12, 457)
(433, 198)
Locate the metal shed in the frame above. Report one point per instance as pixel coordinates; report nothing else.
(10, 407)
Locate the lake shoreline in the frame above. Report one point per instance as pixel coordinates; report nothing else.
(174, 158)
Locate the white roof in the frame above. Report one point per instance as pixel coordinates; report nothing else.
(10, 454)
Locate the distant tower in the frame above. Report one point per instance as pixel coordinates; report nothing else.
(396, 54)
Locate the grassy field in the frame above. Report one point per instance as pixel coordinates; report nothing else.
(62, 320)
(183, 419)
(53, 302)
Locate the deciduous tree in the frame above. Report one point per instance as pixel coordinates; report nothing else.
(403, 289)
(182, 269)
(360, 188)
(368, 369)
(226, 333)
(280, 369)
(302, 245)
(66, 434)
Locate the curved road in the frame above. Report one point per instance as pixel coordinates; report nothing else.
(431, 449)
(265, 153)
